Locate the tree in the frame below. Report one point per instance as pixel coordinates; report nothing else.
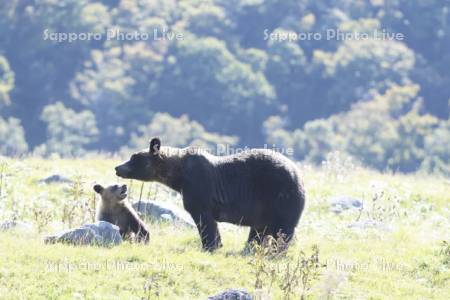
(119, 85)
(388, 131)
(43, 66)
(6, 81)
(251, 18)
(209, 20)
(437, 151)
(68, 132)
(236, 97)
(368, 66)
(229, 77)
(12, 136)
(178, 132)
(287, 61)
(426, 26)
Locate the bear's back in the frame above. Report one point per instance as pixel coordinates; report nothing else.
(253, 173)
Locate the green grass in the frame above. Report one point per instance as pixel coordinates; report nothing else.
(407, 262)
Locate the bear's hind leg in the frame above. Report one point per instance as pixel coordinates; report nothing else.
(283, 235)
(255, 235)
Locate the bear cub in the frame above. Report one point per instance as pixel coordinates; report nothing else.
(114, 208)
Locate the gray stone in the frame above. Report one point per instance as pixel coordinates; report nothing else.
(163, 211)
(55, 178)
(232, 294)
(100, 233)
(340, 204)
(16, 225)
(370, 224)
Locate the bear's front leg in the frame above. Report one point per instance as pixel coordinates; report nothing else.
(143, 235)
(209, 233)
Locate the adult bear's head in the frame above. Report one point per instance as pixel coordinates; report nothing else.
(145, 165)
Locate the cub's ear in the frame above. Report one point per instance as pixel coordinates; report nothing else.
(155, 145)
(98, 188)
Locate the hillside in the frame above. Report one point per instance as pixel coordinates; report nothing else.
(402, 253)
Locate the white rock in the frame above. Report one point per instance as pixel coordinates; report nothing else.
(232, 294)
(370, 224)
(55, 178)
(100, 233)
(164, 211)
(16, 226)
(339, 204)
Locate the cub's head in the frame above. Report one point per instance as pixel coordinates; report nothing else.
(144, 165)
(112, 193)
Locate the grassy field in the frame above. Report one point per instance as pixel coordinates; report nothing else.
(405, 256)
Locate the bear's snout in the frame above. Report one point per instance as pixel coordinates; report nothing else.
(122, 171)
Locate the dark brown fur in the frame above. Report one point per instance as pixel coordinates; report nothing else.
(115, 209)
(258, 188)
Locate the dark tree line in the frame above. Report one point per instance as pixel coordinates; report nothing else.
(224, 82)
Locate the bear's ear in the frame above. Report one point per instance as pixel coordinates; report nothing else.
(98, 188)
(155, 145)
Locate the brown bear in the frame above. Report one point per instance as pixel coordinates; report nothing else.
(115, 209)
(259, 188)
